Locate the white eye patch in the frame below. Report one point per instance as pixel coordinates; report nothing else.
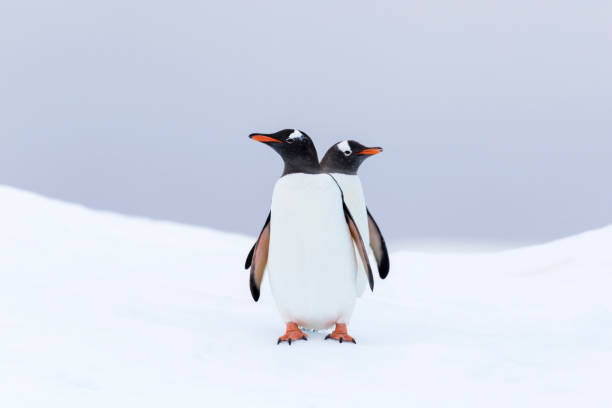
(345, 148)
(295, 135)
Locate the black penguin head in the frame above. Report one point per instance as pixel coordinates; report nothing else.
(346, 157)
(295, 148)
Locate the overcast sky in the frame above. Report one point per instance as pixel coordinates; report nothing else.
(496, 119)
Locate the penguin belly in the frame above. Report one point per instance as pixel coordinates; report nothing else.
(311, 261)
(355, 201)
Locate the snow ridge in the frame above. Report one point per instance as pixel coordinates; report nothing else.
(100, 309)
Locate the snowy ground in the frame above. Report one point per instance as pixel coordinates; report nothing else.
(102, 310)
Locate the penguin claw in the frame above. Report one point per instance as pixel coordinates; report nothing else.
(341, 339)
(340, 334)
(293, 334)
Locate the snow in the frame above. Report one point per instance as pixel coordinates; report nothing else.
(99, 310)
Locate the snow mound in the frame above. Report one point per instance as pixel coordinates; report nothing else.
(99, 309)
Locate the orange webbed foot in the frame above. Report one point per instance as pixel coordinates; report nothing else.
(340, 334)
(293, 333)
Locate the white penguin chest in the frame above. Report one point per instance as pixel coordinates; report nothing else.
(355, 201)
(311, 263)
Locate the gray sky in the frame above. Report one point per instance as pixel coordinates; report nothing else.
(496, 119)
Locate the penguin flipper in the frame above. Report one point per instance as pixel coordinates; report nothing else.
(377, 242)
(259, 259)
(359, 243)
(249, 259)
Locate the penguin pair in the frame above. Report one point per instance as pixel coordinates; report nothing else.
(314, 244)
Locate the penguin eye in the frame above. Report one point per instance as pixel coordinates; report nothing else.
(347, 152)
(290, 140)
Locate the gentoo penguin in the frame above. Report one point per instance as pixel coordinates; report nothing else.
(307, 244)
(342, 161)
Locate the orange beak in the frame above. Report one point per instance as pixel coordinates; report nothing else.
(265, 139)
(371, 151)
